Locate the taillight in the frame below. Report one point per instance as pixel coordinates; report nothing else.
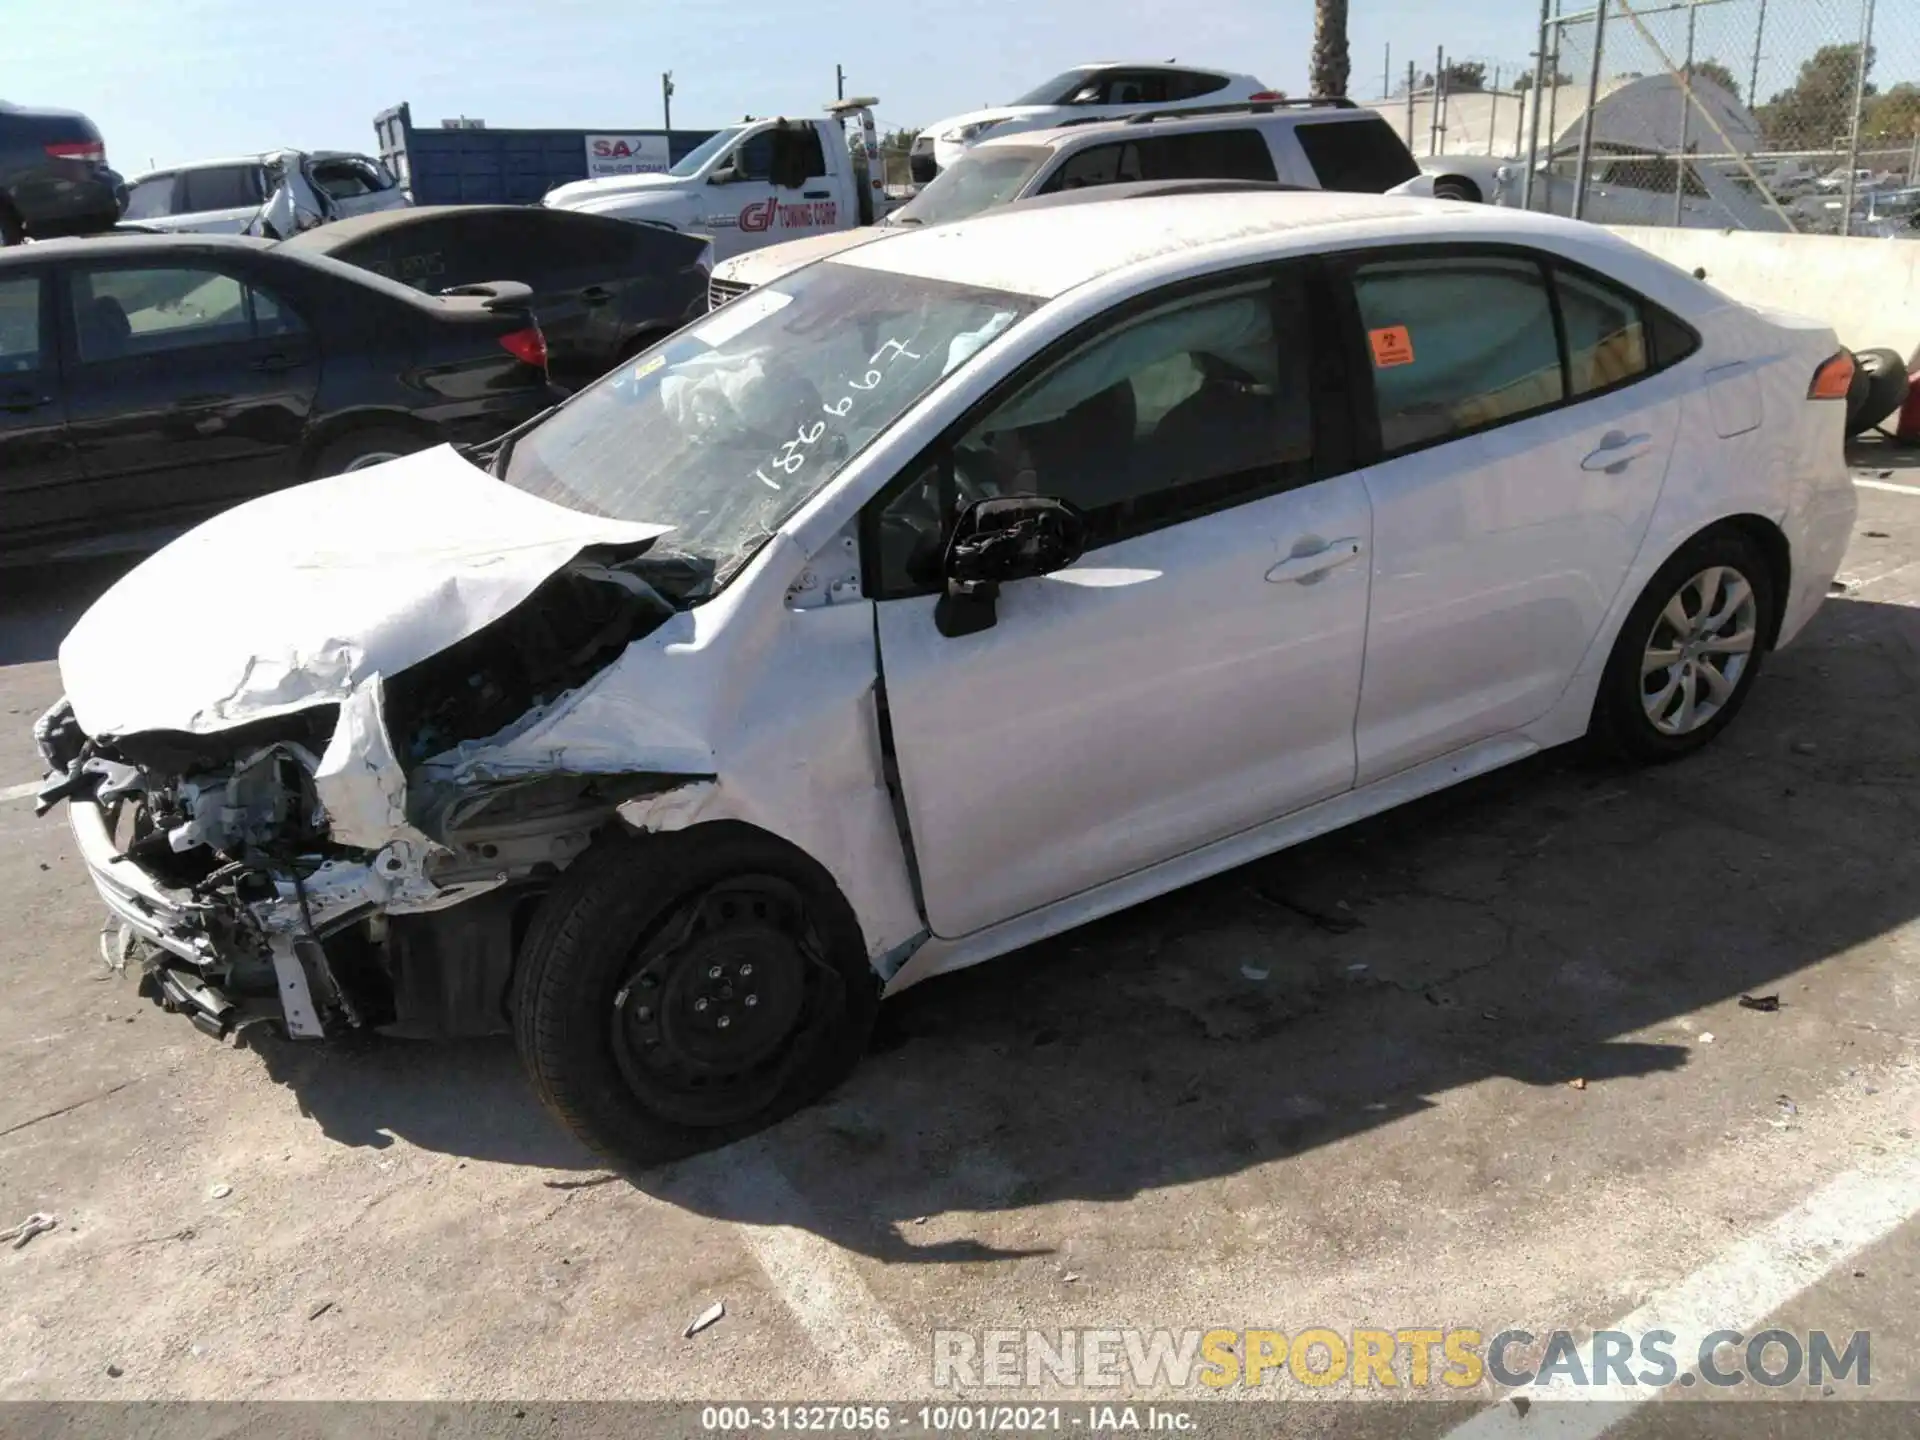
(93, 150)
(528, 345)
(1833, 379)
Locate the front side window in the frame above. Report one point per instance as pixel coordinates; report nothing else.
(1457, 344)
(1096, 165)
(799, 153)
(1189, 407)
(344, 179)
(754, 159)
(150, 199)
(153, 309)
(729, 427)
(1137, 87)
(20, 343)
(982, 178)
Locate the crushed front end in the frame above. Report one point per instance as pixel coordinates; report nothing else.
(303, 868)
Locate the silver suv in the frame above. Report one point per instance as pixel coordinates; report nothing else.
(1312, 144)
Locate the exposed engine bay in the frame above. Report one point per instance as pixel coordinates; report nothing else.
(316, 867)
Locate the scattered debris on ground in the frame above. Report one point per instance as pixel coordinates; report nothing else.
(1766, 1004)
(705, 1318)
(35, 1224)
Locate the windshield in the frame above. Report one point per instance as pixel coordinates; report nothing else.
(977, 181)
(149, 199)
(726, 429)
(695, 159)
(1059, 90)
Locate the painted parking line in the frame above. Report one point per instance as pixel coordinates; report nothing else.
(1736, 1290)
(1887, 485)
(22, 791)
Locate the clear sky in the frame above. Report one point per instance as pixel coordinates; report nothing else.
(175, 80)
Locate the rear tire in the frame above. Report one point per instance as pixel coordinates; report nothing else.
(1688, 652)
(362, 448)
(677, 992)
(1455, 188)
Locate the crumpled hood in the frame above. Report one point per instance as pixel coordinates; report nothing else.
(291, 600)
(758, 267)
(577, 194)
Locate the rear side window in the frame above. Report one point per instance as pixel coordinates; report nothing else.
(1138, 87)
(150, 199)
(20, 347)
(1190, 85)
(1457, 345)
(1365, 155)
(222, 187)
(152, 309)
(1606, 336)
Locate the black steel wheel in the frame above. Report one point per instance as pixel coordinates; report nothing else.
(678, 991)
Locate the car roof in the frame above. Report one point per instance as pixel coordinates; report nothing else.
(1171, 122)
(111, 244)
(1044, 252)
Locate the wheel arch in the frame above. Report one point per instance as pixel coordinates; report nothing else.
(338, 427)
(1771, 541)
(1472, 188)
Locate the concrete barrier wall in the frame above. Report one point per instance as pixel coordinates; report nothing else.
(1868, 290)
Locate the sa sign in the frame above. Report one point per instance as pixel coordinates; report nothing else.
(625, 155)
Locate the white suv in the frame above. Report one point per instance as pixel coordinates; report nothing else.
(1086, 92)
(1324, 145)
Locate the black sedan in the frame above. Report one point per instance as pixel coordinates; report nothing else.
(147, 381)
(603, 288)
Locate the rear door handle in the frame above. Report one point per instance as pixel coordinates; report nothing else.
(1299, 569)
(1616, 451)
(276, 361)
(596, 295)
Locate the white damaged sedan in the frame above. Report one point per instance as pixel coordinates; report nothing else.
(928, 601)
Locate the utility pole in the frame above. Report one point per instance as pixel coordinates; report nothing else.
(839, 83)
(666, 98)
(1753, 78)
(1686, 120)
(1386, 74)
(1859, 104)
(1539, 85)
(1411, 81)
(1433, 117)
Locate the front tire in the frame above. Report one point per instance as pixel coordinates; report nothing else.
(1689, 650)
(680, 991)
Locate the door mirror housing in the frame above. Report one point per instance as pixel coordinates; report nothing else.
(999, 540)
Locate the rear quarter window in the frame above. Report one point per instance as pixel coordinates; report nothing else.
(1363, 155)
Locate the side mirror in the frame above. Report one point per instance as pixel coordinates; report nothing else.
(999, 540)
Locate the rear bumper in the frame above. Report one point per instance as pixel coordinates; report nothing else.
(68, 197)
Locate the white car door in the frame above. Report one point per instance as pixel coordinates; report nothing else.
(1196, 672)
(1525, 428)
(780, 190)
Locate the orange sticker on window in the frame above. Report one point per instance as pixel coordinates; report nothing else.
(1391, 346)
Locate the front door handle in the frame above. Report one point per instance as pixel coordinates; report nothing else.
(1300, 569)
(816, 194)
(1616, 451)
(276, 361)
(596, 295)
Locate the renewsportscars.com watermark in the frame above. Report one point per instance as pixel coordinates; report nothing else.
(1442, 1360)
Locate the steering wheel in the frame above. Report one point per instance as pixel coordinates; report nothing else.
(1217, 371)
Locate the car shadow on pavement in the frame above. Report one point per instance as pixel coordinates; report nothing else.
(1520, 926)
(44, 601)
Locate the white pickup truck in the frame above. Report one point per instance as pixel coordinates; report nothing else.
(753, 184)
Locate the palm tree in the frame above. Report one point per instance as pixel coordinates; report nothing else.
(1330, 64)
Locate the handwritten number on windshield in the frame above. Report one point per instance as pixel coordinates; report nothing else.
(793, 454)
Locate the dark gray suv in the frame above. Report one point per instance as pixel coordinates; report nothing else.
(54, 178)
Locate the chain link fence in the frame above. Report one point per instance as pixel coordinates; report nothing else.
(1798, 115)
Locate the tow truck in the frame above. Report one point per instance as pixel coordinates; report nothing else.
(756, 183)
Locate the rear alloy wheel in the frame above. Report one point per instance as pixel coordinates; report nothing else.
(1688, 653)
(361, 449)
(680, 991)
